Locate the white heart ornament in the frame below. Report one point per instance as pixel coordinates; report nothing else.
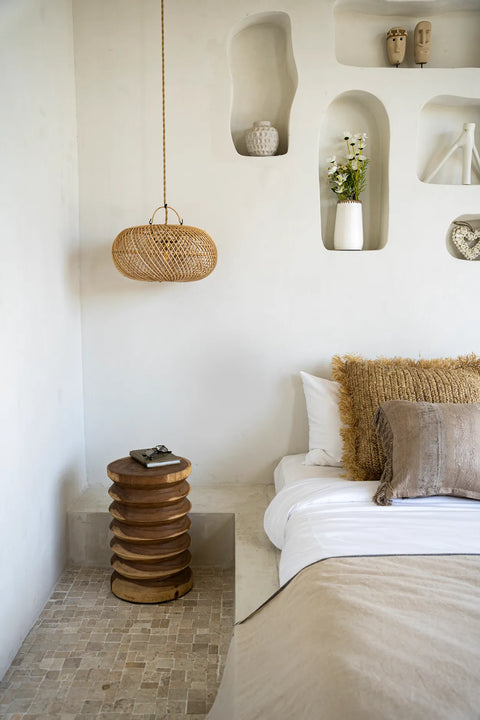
(466, 239)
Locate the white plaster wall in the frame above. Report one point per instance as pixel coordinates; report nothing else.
(211, 368)
(41, 415)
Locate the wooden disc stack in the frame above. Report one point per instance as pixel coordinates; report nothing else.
(150, 531)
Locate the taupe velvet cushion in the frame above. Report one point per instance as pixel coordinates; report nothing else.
(366, 384)
(430, 449)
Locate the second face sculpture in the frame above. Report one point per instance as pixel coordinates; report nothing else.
(422, 42)
(397, 43)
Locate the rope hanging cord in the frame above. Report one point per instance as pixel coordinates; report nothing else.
(156, 253)
(164, 141)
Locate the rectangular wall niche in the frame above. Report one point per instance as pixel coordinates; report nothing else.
(441, 125)
(361, 27)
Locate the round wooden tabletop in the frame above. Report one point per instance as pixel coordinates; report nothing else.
(130, 473)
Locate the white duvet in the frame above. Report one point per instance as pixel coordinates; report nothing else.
(313, 518)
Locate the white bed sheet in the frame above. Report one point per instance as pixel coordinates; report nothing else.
(317, 514)
(291, 469)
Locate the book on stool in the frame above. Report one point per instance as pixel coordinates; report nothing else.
(155, 457)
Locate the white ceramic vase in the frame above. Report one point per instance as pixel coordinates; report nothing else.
(348, 226)
(262, 139)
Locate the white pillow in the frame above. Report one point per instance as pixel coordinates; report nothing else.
(324, 441)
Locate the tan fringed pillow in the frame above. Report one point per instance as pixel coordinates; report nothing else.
(366, 384)
(430, 449)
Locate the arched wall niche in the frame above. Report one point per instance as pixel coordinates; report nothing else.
(263, 74)
(357, 111)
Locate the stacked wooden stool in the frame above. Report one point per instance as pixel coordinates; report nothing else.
(150, 531)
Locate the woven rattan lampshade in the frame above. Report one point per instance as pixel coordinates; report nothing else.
(175, 253)
(154, 253)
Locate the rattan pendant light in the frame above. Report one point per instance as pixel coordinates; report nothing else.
(156, 253)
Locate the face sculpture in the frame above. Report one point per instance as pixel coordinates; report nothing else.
(421, 40)
(396, 45)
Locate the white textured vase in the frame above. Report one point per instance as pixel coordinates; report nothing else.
(262, 138)
(348, 226)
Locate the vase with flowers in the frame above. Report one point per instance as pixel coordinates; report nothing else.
(347, 180)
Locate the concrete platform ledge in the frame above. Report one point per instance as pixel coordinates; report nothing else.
(227, 530)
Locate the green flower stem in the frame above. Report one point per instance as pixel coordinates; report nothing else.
(348, 181)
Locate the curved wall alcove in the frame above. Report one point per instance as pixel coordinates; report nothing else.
(264, 76)
(440, 126)
(361, 27)
(357, 111)
(471, 239)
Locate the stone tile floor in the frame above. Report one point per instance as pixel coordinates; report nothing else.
(91, 655)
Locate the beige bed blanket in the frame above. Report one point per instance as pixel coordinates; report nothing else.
(367, 638)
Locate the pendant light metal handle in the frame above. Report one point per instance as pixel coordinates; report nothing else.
(165, 207)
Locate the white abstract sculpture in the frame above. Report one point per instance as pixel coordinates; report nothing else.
(466, 142)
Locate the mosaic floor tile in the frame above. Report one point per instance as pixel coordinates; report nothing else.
(91, 655)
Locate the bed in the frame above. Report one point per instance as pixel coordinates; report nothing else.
(378, 612)
(318, 514)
